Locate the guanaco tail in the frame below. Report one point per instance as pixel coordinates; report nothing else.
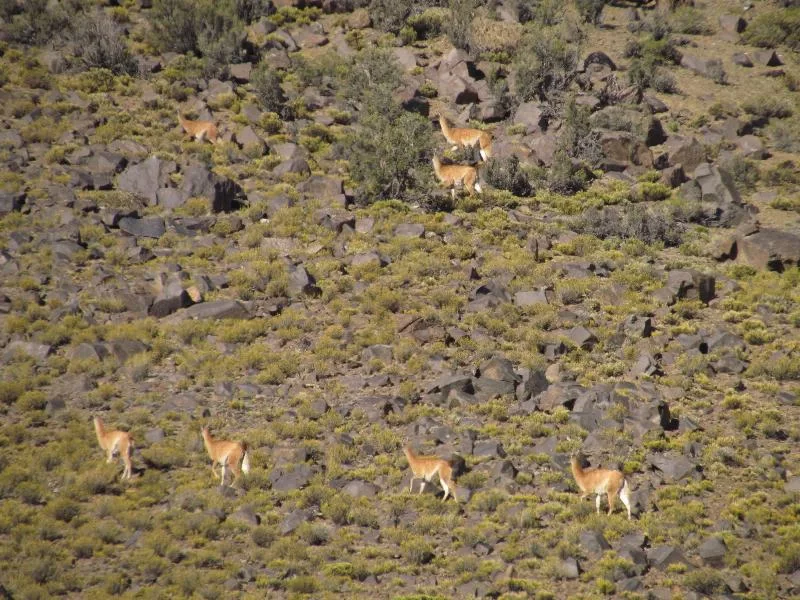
(602, 481)
(425, 467)
(114, 442)
(457, 175)
(228, 454)
(467, 137)
(199, 130)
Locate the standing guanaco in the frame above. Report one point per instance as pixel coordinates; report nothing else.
(455, 175)
(114, 442)
(467, 137)
(228, 454)
(199, 130)
(602, 481)
(425, 467)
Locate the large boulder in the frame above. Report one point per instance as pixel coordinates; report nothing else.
(769, 249)
(220, 191)
(720, 204)
(621, 148)
(144, 179)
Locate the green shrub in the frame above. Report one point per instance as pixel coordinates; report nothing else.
(690, 21)
(637, 221)
(267, 89)
(38, 21)
(430, 23)
(590, 10)
(744, 172)
(207, 28)
(506, 174)
(389, 152)
(785, 135)
(705, 581)
(459, 28)
(774, 28)
(768, 107)
(100, 44)
(546, 65)
(389, 15)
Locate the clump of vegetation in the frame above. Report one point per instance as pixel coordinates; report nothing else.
(209, 29)
(388, 15)
(100, 44)
(636, 221)
(507, 174)
(37, 21)
(266, 85)
(590, 10)
(546, 65)
(459, 32)
(744, 172)
(775, 28)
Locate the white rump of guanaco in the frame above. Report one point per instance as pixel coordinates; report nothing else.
(467, 137)
(457, 175)
(199, 130)
(228, 454)
(602, 481)
(425, 467)
(114, 442)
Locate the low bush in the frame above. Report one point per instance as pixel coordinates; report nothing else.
(389, 15)
(546, 65)
(266, 85)
(590, 10)
(462, 12)
(774, 28)
(637, 221)
(744, 172)
(99, 43)
(768, 107)
(507, 174)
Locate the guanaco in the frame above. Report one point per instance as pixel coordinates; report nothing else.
(199, 130)
(228, 454)
(425, 467)
(602, 481)
(114, 442)
(467, 137)
(455, 175)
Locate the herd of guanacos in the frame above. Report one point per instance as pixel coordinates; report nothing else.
(451, 176)
(236, 457)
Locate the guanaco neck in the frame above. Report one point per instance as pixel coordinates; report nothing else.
(437, 166)
(577, 470)
(207, 439)
(444, 125)
(409, 453)
(99, 429)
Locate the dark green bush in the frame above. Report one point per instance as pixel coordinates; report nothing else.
(252, 10)
(389, 155)
(546, 65)
(206, 28)
(635, 221)
(775, 28)
(459, 28)
(705, 581)
(389, 15)
(744, 172)
(38, 22)
(267, 88)
(768, 107)
(506, 174)
(100, 44)
(590, 10)
(689, 21)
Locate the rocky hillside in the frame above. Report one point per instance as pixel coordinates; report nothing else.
(626, 286)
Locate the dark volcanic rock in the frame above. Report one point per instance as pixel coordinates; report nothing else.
(292, 478)
(769, 249)
(146, 178)
(220, 191)
(152, 227)
(713, 551)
